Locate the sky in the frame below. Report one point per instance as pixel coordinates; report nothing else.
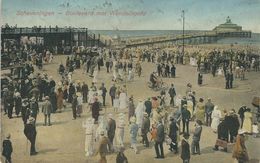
(132, 14)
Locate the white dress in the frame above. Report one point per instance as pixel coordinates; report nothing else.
(95, 74)
(216, 115)
(122, 101)
(91, 96)
(102, 126)
(139, 112)
(89, 138)
(120, 131)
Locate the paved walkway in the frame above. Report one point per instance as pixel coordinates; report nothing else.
(64, 140)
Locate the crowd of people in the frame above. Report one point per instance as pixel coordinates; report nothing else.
(153, 117)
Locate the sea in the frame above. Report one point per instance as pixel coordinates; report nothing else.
(254, 40)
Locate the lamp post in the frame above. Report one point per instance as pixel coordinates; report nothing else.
(183, 18)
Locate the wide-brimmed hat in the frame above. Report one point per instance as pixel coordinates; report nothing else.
(102, 132)
(110, 115)
(8, 136)
(78, 94)
(145, 114)
(17, 94)
(133, 119)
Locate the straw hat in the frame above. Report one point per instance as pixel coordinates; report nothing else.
(145, 114)
(8, 136)
(110, 115)
(133, 119)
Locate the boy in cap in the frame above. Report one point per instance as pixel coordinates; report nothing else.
(7, 149)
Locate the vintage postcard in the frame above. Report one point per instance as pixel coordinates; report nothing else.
(130, 81)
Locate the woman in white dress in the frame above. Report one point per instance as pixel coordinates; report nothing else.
(122, 101)
(95, 74)
(139, 112)
(247, 125)
(116, 103)
(121, 129)
(216, 115)
(89, 138)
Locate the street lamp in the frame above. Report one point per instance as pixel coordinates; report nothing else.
(183, 18)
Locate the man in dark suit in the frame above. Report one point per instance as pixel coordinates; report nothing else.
(185, 118)
(231, 78)
(173, 69)
(111, 129)
(112, 93)
(195, 146)
(172, 94)
(145, 129)
(227, 81)
(159, 140)
(7, 149)
(185, 149)
(30, 133)
(104, 92)
(148, 106)
(173, 134)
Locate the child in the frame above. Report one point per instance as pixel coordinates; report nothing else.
(7, 148)
(255, 129)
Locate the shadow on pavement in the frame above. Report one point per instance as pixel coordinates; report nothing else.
(253, 161)
(47, 151)
(207, 150)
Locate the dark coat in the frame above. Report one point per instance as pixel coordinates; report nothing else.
(34, 107)
(7, 148)
(160, 133)
(185, 114)
(121, 158)
(185, 150)
(197, 133)
(30, 131)
(172, 92)
(148, 107)
(173, 131)
(111, 128)
(145, 126)
(223, 131)
(95, 110)
(232, 124)
(112, 91)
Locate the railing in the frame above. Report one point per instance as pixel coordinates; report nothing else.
(40, 30)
